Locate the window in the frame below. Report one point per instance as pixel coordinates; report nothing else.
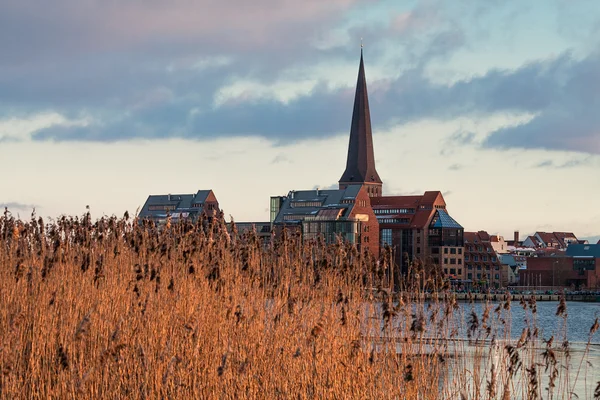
(459, 250)
(436, 261)
(460, 272)
(453, 261)
(386, 237)
(466, 257)
(445, 261)
(469, 276)
(418, 250)
(445, 270)
(478, 276)
(366, 229)
(469, 266)
(497, 276)
(497, 268)
(478, 267)
(475, 258)
(445, 250)
(418, 239)
(459, 261)
(453, 250)
(494, 259)
(435, 250)
(479, 248)
(484, 258)
(296, 204)
(452, 271)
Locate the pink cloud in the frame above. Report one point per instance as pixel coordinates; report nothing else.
(99, 25)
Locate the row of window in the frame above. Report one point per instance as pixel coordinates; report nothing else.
(393, 220)
(483, 258)
(453, 261)
(453, 250)
(296, 204)
(396, 211)
(483, 276)
(162, 207)
(479, 248)
(478, 267)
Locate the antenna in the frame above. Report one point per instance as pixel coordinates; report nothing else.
(361, 43)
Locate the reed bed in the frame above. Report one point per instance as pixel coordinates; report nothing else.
(116, 308)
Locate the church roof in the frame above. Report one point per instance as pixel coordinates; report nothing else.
(360, 165)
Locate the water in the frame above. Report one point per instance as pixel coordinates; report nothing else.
(580, 318)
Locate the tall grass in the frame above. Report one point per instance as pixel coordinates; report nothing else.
(117, 309)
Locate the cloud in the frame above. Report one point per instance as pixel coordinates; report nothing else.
(555, 91)
(72, 27)
(573, 163)
(13, 205)
(165, 76)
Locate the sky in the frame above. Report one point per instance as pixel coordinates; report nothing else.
(494, 103)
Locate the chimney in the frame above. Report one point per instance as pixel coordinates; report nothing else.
(317, 192)
(169, 196)
(516, 238)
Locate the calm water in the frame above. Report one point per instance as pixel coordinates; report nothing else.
(580, 317)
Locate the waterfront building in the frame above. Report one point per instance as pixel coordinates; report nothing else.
(578, 267)
(482, 266)
(419, 227)
(159, 208)
(339, 214)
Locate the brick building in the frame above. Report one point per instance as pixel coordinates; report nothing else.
(180, 206)
(482, 266)
(413, 226)
(578, 267)
(341, 213)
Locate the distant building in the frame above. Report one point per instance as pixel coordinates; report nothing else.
(509, 270)
(551, 240)
(482, 265)
(578, 267)
(344, 214)
(420, 227)
(262, 230)
(180, 206)
(499, 244)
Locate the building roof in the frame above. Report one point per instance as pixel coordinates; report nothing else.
(442, 219)
(176, 205)
(360, 165)
(424, 207)
(318, 204)
(583, 250)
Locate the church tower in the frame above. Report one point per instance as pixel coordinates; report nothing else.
(360, 166)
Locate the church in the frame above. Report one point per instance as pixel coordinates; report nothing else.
(414, 227)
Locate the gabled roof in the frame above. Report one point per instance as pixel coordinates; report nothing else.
(583, 250)
(442, 219)
(425, 206)
(326, 204)
(360, 165)
(161, 205)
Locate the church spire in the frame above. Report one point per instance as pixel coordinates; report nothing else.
(360, 166)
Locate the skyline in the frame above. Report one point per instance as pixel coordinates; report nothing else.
(495, 107)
